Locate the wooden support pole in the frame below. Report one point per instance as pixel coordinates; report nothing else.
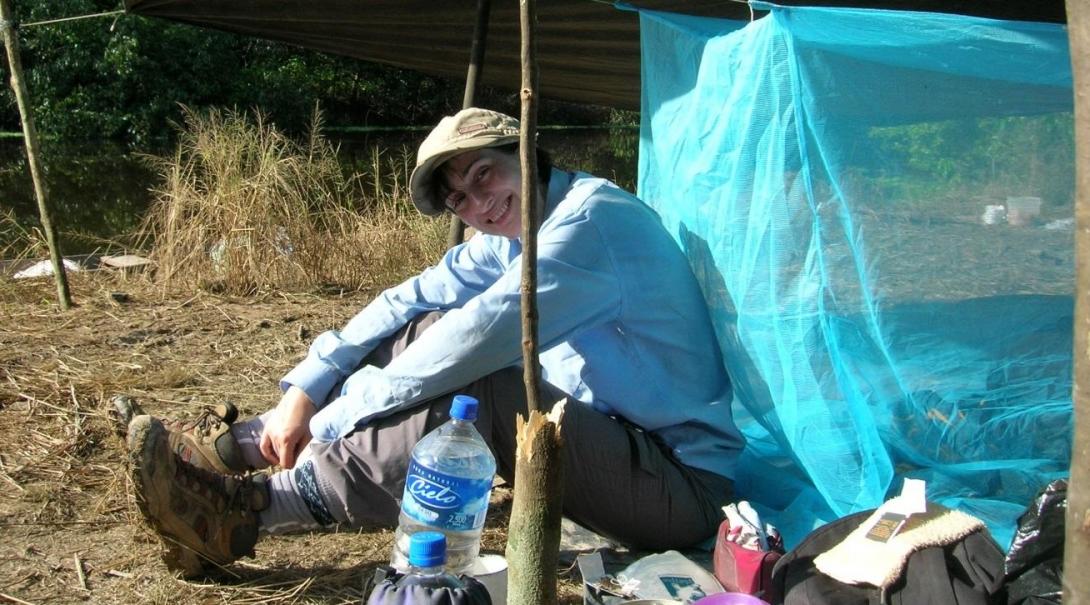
(533, 533)
(1077, 539)
(30, 134)
(532, 205)
(457, 230)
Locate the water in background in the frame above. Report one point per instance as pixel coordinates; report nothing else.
(100, 191)
(97, 192)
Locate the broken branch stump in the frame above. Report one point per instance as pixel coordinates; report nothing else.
(533, 534)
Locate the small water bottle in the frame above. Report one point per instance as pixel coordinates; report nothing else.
(447, 488)
(427, 556)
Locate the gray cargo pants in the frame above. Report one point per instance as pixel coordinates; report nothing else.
(618, 480)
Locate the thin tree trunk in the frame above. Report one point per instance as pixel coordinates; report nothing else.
(457, 230)
(533, 533)
(1077, 542)
(533, 536)
(30, 134)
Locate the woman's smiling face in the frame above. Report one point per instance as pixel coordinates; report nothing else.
(484, 188)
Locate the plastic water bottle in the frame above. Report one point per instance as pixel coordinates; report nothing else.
(427, 555)
(447, 488)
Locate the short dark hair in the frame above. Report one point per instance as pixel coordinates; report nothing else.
(439, 190)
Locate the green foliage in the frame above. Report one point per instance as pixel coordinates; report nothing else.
(997, 157)
(126, 77)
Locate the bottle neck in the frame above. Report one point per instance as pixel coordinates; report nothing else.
(434, 577)
(426, 571)
(461, 427)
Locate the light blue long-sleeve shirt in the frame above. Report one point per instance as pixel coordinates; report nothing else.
(622, 327)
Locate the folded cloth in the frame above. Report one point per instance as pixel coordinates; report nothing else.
(859, 559)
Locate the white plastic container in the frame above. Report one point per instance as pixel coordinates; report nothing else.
(993, 214)
(1022, 211)
(491, 570)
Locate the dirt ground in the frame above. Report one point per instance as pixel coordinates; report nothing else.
(69, 530)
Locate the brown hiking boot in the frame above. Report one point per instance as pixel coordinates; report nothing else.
(206, 441)
(205, 519)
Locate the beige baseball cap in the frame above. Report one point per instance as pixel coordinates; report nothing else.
(471, 128)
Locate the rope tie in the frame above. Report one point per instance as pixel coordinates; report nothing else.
(61, 20)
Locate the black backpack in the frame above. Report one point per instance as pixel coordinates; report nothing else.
(969, 571)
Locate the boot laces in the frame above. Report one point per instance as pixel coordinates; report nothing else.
(205, 423)
(229, 492)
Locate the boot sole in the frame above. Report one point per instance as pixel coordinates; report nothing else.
(144, 435)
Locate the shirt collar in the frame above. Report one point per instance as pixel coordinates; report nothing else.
(559, 183)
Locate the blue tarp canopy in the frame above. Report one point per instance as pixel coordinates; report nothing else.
(879, 207)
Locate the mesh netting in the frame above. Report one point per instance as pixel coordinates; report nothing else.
(879, 206)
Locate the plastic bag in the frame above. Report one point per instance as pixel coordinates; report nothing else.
(1034, 565)
(668, 577)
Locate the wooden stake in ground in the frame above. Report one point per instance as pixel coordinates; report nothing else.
(22, 98)
(1077, 540)
(533, 533)
(457, 230)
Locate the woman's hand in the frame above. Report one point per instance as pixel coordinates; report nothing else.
(288, 430)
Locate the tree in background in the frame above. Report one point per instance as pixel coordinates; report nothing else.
(990, 157)
(126, 78)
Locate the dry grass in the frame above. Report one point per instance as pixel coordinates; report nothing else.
(249, 230)
(65, 498)
(241, 208)
(17, 242)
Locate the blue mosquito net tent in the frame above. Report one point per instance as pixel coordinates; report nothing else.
(879, 207)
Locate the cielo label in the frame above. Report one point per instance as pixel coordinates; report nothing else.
(431, 494)
(445, 501)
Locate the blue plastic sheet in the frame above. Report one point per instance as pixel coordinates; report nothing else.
(879, 208)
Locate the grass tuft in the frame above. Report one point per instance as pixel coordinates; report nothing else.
(242, 208)
(18, 242)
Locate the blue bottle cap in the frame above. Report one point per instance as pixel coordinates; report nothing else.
(427, 549)
(464, 407)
